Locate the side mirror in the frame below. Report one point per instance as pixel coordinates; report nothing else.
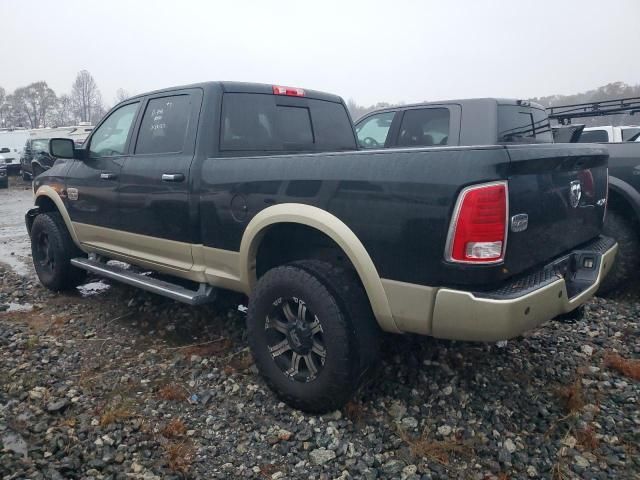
(61, 147)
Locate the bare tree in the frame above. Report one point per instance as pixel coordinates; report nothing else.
(122, 95)
(86, 96)
(64, 112)
(35, 102)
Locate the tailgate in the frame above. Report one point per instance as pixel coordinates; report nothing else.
(563, 190)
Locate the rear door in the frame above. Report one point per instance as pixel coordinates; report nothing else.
(154, 183)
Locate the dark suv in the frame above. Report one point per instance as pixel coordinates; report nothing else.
(36, 158)
(4, 178)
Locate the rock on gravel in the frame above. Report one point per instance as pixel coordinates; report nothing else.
(127, 385)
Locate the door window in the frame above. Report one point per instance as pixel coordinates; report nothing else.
(593, 136)
(110, 138)
(372, 132)
(164, 125)
(424, 127)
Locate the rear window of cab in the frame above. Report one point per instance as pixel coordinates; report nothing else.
(262, 122)
(521, 124)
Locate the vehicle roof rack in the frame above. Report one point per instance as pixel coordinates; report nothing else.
(564, 113)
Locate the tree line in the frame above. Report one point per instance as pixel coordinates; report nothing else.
(37, 105)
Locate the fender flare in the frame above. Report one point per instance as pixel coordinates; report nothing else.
(53, 195)
(335, 229)
(626, 191)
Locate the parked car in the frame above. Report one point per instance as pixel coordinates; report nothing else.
(609, 133)
(4, 176)
(262, 190)
(10, 159)
(36, 158)
(623, 217)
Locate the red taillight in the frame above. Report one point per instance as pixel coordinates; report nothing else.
(290, 91)
(478, 231)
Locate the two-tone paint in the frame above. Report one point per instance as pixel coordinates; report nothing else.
(389, 211)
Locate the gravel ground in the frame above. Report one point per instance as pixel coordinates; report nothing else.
(116, 383)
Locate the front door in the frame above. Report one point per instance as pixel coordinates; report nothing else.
(92, 183)
(155, 211)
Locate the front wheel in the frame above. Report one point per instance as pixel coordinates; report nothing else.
(52, 249)
(304, 337)
(25, 176)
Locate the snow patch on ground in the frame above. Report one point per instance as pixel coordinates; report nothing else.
(93, 288)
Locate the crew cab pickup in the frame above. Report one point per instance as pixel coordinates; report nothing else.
(623, 216)
(263, 190)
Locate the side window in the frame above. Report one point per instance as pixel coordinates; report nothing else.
(629, 133)
(594, 136)
(40, 146)
(424, 127)
(111, 137)
(164, 125)
(372, 132)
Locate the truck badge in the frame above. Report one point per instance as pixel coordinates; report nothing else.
(575, 193)
(72, 193)
(519, 222)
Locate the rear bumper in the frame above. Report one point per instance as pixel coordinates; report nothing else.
(527, 302)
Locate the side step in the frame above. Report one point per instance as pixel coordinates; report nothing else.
(204, 294)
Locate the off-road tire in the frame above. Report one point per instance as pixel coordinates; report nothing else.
(628, 258)
(346, 287)
(37, 170)
(25, 176)
(346, 361)
(52, 249)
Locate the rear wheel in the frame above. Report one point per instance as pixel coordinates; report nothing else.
(305, 335)
(52, 249)
(628, 258)
(25, 176)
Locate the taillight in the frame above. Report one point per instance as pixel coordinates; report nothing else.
(289, 91)
(478, 230)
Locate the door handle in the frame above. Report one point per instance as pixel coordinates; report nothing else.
(172, 177)
(108, 176)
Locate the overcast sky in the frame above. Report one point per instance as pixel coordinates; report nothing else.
(370, 51)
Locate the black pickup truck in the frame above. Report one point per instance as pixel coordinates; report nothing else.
(263, 190)
(623, 215)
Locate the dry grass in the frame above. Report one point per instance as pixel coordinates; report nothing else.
(179, 456)
(210, 349)
(558, 472)
(174, 429)
(268, 469)
(572, 396)
(172, 392)
(115, 414)
(354, 411)
(586, 438)
(627, 367)
(241, 360)
(434, 450)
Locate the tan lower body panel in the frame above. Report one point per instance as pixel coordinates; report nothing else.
(198, 263)
(459, 315)
(411, 305)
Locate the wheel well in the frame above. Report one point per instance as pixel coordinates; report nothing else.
(46, 204)
(287, 242)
